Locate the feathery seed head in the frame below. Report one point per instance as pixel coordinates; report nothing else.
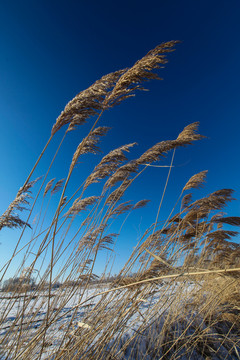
(89, 144)
(7, 219)
(196, 180)
(89, 239)
(108, 164)
(215, 201)
(141, 71)
(190, 134)
(122, 208)
(87, 103)
(57, 186)
(48, 187)
(186, 200)
(230, 220)
(122, 173)
(141, 204)
(186, 137)
(118, 193)
(156, 151)
(81, 204)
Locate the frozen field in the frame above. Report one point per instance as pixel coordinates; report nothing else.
(69, 312)
(79, 316)
(63, 305)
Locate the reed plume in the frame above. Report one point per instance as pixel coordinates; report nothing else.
(186, 137)
(81, 204)
(48, 186)
(108, 164)
(20, 203)
(141, 71)
(89, 144)
(177, 296)
(87, 103)
(196, 181)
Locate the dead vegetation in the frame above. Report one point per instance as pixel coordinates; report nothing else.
(177, 296)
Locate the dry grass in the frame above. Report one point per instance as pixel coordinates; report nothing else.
(177, 296)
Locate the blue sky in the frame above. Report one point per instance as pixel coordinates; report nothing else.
(51, 50)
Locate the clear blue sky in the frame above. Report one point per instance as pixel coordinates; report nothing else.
(51, 50)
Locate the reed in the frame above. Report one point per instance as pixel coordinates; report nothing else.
(176, 297)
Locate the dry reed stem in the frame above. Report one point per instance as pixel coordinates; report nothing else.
(192, 235)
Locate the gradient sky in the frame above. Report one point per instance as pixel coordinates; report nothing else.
(51, 50)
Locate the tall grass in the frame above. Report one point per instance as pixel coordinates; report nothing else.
(176, 297)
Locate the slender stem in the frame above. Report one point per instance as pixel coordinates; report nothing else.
(30, 213)
(39, 158)
(164, 191)
(172, 276)
(55, 222)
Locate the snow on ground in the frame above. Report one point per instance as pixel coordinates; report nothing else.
(64, 304)
(35, 316)
(11, 308)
